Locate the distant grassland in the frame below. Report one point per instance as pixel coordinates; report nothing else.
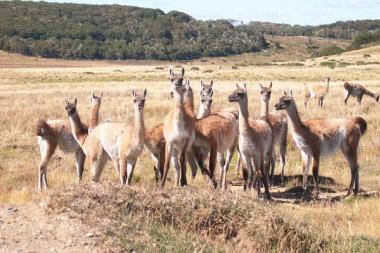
(29, 93)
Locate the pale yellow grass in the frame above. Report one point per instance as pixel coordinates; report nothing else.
(28, 94)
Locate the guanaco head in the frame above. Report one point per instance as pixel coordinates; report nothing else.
(285, 101)
(206, 99)
(96, 100)
(207, 88)
(188, 93)
(176, 79)
(239, 94)
(265, 92)
(71, 108)
(139, 99)
(186, 90)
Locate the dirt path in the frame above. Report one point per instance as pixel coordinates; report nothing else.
(28, 228)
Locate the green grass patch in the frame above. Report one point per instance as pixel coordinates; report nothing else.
(328, 64)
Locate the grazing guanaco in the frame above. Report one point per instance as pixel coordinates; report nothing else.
(121, 142)
(179, 131)
(255, 141)
(317, 91)
(279, 125)
(319, 137)
(357, 90)
(57, 133)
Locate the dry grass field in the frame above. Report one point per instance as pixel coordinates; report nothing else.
(193, 218)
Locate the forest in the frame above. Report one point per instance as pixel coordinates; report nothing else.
(115, 32)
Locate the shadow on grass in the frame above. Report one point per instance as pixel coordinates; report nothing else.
(329, 190)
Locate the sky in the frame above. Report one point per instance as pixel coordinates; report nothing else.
(292, 12)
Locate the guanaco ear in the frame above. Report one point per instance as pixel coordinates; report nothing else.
(133, 92)
(66, 101)
(170, 71)
(237, 86)
(270, 85)
(145, 91)
(212, 82)
(201, 93)
(211, 93)
(245, 85)
(291, 93)
(182, 71)
(261, 86)
(187, 83)
(75, 101)
(202, 83)
(101, 94)
(284, 92)
(92, 95)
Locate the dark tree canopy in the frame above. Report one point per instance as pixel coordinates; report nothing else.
(80, 31)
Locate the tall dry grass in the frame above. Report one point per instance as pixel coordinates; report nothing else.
(29, 94)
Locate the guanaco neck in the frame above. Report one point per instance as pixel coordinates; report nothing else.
(179, 107)
(367, 92)
(264, 109)
(188, 101)
(139, 124)
(327, 86)
(295, 122)
(203, 112)
(94, 121)
(243, 117)
(79, 132)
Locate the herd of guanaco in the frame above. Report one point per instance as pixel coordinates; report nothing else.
(186, 138)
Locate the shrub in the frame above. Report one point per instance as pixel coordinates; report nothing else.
(330, 50)
(344, 64)
(328, 64)
(194, 68)
(207, 71)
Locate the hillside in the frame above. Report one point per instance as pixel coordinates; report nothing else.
(111, 32)
(118, 32)
(291, 48)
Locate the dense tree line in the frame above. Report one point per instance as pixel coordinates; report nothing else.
(79, 31)
(347, 30)
(365, 40)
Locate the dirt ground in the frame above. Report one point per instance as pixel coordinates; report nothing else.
(28, 228)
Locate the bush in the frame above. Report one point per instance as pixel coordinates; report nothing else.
(330, 50)
(364, 40)
(194, 68)
(328, 64)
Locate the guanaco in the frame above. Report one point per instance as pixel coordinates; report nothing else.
(322, 137)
